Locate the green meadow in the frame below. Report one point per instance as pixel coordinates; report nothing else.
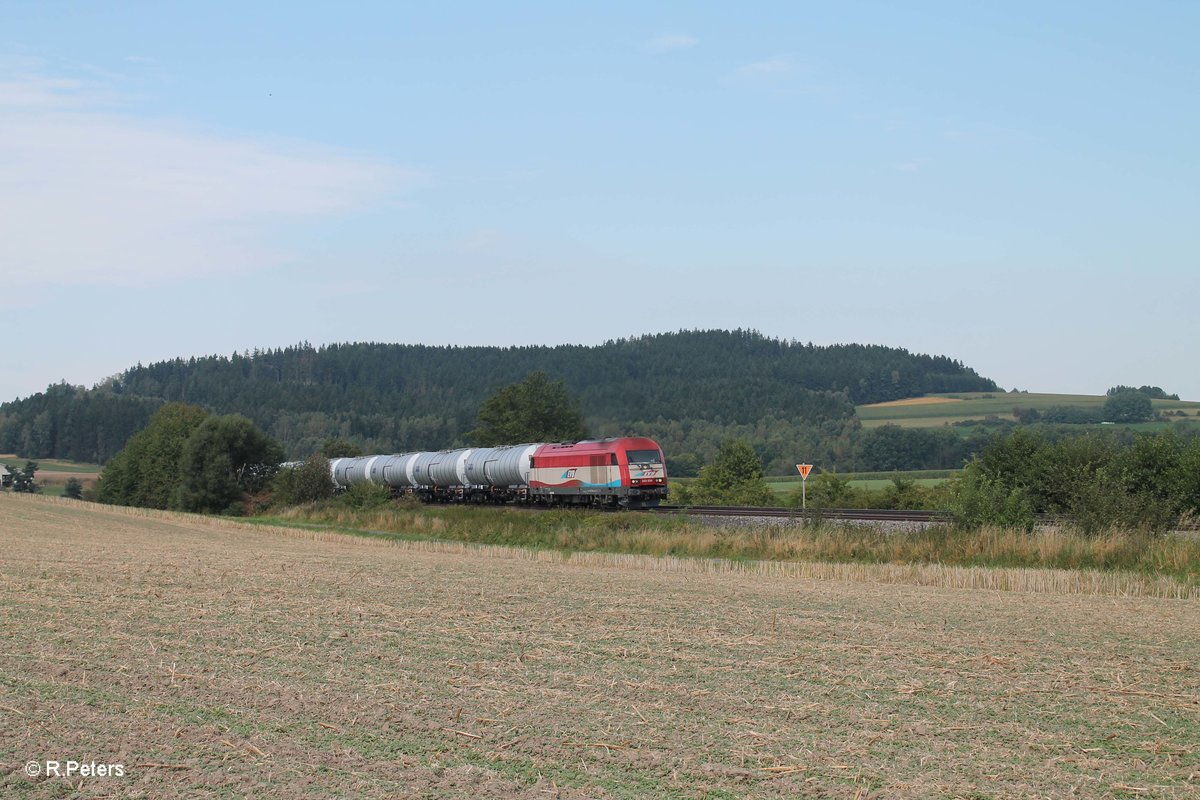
(784, 487)
(947, 409)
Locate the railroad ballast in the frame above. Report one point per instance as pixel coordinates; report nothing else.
(626, 471)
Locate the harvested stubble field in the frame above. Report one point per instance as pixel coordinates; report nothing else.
(219, 660)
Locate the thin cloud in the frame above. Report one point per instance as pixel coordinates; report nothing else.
(38, 91)
(671, 41)
(90, 195)
(765, 69)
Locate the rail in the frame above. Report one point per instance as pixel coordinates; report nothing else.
(864, 514)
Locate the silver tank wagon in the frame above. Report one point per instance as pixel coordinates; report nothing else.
(499, 466)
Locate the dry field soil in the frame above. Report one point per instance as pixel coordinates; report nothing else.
(210, 659)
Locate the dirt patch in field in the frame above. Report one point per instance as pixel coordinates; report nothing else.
(915, 401)
(222, 662)
(61, 478)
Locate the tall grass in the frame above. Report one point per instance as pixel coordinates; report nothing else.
(1060, 562)
(580, 531)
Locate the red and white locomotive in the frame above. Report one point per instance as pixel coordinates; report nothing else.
(627, 471)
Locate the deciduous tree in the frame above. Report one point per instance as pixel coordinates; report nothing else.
(225, 459)
(146, 471)
(535, 410)
(735, 477)
(1128, 406)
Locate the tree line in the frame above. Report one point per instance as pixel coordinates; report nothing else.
(191, 460)
(693, 388)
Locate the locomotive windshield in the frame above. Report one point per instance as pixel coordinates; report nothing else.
(643, 458)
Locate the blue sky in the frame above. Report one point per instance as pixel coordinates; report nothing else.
(1014, 185)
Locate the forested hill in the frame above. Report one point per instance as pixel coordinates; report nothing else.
(393, 397)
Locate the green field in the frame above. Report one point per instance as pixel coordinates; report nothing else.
(869, 480)
(983, 405)
(872, 484)
(784, 485)
(53, 473)
(53, 464)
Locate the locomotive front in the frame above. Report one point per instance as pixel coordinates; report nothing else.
(646, 470)
(628, 471)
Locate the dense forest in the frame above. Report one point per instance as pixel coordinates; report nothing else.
(690, 389)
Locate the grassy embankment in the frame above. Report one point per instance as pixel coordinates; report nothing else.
(1176, 558)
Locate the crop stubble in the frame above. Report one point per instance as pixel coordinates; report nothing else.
(216, 661)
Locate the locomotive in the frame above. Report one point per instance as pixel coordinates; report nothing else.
(626, 472)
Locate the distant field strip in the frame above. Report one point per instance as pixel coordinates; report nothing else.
(937, 410)
(1045, 581)
(915, 401)
(54, 465)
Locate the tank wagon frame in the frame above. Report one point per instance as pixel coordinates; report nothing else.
(627, 472)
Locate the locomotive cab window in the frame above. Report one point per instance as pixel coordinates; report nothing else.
(646, 457)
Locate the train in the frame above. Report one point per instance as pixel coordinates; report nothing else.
(623, 472)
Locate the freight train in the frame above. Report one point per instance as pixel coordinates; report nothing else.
(625, 472)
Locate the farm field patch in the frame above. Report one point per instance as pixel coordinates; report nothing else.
(53, 474)
(54, 465)
(221, 660)
(938, 410)
(916, 401)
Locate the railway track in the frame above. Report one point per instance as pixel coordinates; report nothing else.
(1187, 526)
(863, 514)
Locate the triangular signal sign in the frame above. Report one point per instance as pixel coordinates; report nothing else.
(804, 470)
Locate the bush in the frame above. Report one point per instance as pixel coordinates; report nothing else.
(981, 500)
(1097, 480)
(366, 496)
(825, 490)
(734, 478)
(307, 483)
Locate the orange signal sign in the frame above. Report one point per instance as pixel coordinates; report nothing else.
(804, 470)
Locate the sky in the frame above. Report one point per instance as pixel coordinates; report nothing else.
(1014, 185)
